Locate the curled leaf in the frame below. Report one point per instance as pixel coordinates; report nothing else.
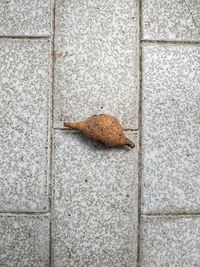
(102, 128)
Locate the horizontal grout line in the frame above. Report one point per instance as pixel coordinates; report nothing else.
(163, 215)
(141, 41)
(170, 42)
(23, 213)
(131, 130)
(71, 130)
(25, 37)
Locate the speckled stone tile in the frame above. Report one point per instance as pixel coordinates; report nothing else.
(24, 90)
(170, 242)
(95, 203)
(171, 20)
(24, 241)
(171, 128)
(25, 18)
(96, 60)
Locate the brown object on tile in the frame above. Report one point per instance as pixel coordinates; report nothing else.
(102, 128)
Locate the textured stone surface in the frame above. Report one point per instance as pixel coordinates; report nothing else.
(171, 20)
(96, 60)
(170, 242)
(171, 128)
(25, 18)
(24, 240)
(95, 204)
(24, 89)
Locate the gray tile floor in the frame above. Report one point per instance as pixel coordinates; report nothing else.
(67, 201)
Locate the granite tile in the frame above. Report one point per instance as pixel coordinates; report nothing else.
(173, 242)
(95, 203)
(96, 59)
(24, 100)
(24, 240)
(171, 128)
(25, 18)
(171, 20)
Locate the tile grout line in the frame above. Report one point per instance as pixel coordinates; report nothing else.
(170, 215)
(25, 37)
(146, 215)
(51, 119)
(72, 130)
(24, 213)
(145, 41)
(139, 10)
(172, 42)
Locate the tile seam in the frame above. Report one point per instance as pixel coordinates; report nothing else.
(23, 213)
(51, 132)
(139, 10)
(71, 130)
(168, 42)
(25, 37)
(191, 214)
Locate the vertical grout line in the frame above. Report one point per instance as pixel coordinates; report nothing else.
(140, 131)
(51, 120)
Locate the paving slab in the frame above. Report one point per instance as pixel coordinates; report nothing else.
(96, 59)
(25, 18)
(95, 203)
(24, 240)
(171, 20)
(24, 100)
(171, 128)
(173, 242)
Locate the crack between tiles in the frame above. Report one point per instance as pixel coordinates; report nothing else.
(170, 215)
(139, 12)
(76, 131)
(24, 37)
(173, 42)
(12, 213)
(51, 119)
